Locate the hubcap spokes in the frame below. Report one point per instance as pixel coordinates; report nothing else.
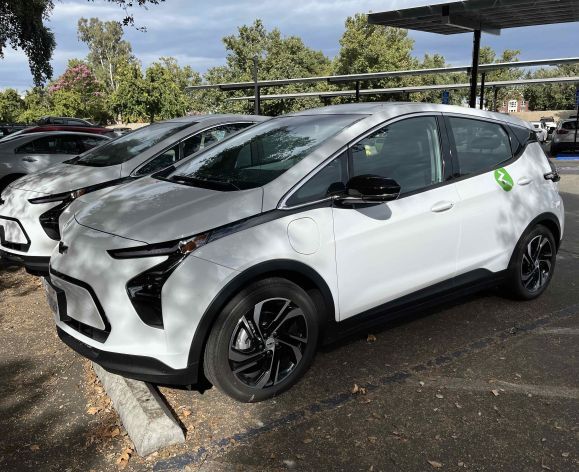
(537, 262)
(268, 343)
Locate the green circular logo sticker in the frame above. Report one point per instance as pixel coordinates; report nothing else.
(504, 179)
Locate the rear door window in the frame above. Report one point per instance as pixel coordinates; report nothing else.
(44, 145)
(479, 145)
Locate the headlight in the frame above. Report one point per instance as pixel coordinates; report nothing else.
(180, 247)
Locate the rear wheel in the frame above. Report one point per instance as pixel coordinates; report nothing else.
(263, 341)
(533, 264)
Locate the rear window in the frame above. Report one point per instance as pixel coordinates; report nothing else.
(261, 153)
(130, 145)
(480, 145)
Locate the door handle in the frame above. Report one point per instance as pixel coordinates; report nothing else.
(441, 206)
(28, 159)
(524, 181)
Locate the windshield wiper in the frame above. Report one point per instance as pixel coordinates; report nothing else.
(204, 182)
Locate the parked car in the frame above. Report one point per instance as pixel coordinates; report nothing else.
(234, 264)
(46, 128)
(540, 129)
(7, 129)
(29, 153)
(34, 204)
(64, 121)
(550, 124)
(564, 137)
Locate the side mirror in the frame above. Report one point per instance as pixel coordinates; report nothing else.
(371, 188)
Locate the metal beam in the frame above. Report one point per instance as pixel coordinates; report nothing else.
(384, 75)
(424, 88)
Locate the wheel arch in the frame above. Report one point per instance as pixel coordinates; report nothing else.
(297, 272)
(8, 179)
(548, 219)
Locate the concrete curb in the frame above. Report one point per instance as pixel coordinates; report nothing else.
(144, 415)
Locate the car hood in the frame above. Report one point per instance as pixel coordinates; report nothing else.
(66, 177)
(154, 211)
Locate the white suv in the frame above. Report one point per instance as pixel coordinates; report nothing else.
(234, 264)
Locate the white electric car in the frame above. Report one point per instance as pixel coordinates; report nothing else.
(31, 207)
(234, 264)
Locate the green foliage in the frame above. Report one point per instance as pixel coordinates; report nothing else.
(128, 100)
(107, 49)
(279, 57)
(165, 95)
(77, 92)
(36, 105)
(22, 26)
(552, 96)
(11, 105)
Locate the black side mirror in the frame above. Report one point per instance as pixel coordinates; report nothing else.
(371, 188)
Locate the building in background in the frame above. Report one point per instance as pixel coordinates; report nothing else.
(514, 103)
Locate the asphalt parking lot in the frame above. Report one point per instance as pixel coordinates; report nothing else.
(485, 384)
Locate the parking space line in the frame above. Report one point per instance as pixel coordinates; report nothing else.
(501, 386)
(330, 403)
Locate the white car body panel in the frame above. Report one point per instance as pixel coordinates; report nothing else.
(365, 256)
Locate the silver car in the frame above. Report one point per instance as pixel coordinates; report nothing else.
(564, 137)
(30, 153)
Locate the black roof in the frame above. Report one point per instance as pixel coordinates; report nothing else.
(486, 15)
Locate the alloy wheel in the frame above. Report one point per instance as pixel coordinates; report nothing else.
(268, 343)
(537, 263)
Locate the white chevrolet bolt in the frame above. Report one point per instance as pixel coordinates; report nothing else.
(233, 265)
(31, 207)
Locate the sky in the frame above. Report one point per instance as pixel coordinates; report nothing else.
(191, 31)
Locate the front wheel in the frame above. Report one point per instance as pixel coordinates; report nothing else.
(533, 264)
(263, 341)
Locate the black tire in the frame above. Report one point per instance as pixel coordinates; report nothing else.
(256, 350)
(532, 267)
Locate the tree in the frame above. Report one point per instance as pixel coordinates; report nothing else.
(36, 105)
(552, 96)
(107, 49)
(22, 26)
(11, 105)
(128, 101)
(77, 92)
(165, 94)
(279, 57)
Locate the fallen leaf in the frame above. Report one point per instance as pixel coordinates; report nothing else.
(421, 383)
(458, 406)
(358, 390)
(93, 410)
(115, 432)
(371, 338)
(495, 392)
(438, 395)
(435, 464)
(34, 447)
(565, 454)
(186, 413)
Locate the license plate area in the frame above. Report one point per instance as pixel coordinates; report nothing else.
(56, 299)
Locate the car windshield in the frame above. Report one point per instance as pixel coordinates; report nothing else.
(259, 155)
(130, 145)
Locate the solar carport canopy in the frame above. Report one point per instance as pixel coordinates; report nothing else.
(486, 15)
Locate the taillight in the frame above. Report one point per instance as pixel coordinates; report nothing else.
(562, 131)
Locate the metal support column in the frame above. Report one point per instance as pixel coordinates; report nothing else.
(482, 91)
(256, 89)
(357, 90)
(495, 92)
(474, 68)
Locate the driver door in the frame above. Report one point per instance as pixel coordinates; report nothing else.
(389, 250)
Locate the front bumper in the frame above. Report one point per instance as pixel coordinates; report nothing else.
(147, 369)
(34, 265)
